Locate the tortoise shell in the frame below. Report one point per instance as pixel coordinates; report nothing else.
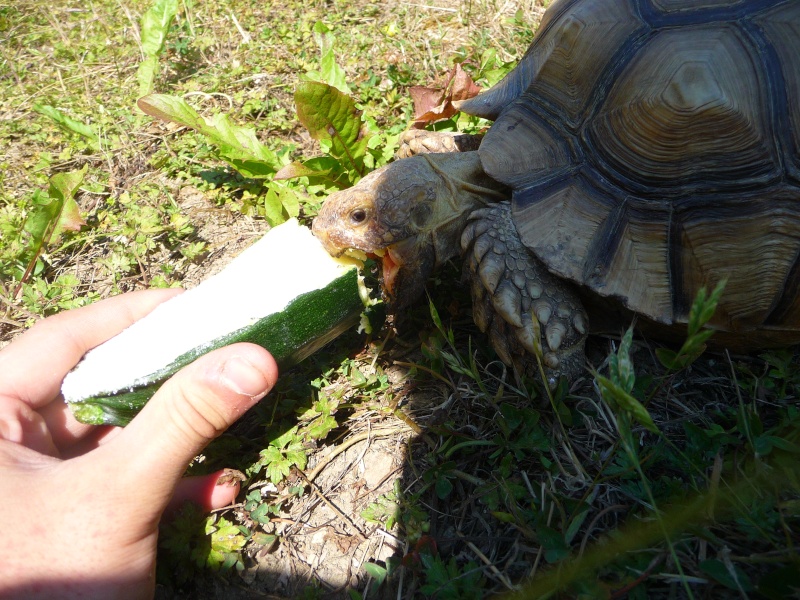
(653, 147)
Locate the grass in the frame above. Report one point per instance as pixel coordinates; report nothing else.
(411, 461)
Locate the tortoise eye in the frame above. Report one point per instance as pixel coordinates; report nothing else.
(358, 216)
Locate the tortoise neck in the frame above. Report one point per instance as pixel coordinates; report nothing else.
(463, 173)
(468, 188)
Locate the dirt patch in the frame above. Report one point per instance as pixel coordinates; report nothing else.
(325, 538)
(225, 232)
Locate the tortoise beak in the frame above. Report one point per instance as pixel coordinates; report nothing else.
(321, 233)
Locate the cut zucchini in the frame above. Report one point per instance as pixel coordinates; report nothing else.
(285, 293)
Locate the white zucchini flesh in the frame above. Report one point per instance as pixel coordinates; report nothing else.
(285, 264)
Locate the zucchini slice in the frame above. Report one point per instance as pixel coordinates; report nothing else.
(285, 293)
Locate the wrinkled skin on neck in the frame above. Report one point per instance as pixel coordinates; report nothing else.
(411, 213)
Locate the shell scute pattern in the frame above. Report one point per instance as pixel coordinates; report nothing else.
(649, 148)
(665, 158)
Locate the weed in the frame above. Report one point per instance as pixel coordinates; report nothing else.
(69, 124)
(447, 580)
(49, 217)
(385, 509)
(318, 421)
(283, 453)
(193, 541)
(261, 510)
(156, 24)
(701, 312)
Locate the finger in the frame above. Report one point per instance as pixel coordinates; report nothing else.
(190, 409)
(22, 425)
(34, 365)
(95, 436)
(208, 492)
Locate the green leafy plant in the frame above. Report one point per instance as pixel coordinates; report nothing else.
(352, 146)
(283, 453)
(396, 507)
(447, 580)
(377, 573)
(227, 542)
(325, 106)
(69, 124)
(329, 72)
(261, 511)
(155, 26)
(520, 432)
(617, 391)
(193, 542)
(319, 420)
(441, 349)
(61, 293)
(332, 119)
(236, 145)
(385, 509)
(51, 216)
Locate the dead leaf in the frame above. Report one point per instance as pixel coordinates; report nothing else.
(344, 543)
(436, 103)
(230, 477)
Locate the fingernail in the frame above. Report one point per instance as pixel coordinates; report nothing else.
(10, 432)
(242, 377)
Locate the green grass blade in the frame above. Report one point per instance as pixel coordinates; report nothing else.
(700, 314)
(620, 399)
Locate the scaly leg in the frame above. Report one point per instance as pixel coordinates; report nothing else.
(524, 309)
(421, 141)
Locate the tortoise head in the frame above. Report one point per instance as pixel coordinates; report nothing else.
(410, 213)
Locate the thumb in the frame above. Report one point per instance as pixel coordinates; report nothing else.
(192, 408)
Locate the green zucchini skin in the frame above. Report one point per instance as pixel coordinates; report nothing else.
(304, 326)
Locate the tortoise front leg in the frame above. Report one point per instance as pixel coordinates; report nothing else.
(526, 311)
(421, 141)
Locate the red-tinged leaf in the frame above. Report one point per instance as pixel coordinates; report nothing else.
(293, 170)
(71, 219)
(426, 545)
(52, 217)
(171, 109)
(297, 169)
(463, 88)
(425, 99)
(436, 103)
(321, 169)
(63, 187)
(439, 113)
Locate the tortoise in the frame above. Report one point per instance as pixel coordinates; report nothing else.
(640, 150)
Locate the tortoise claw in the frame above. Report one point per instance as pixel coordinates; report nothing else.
(530, 316)
(421, 141)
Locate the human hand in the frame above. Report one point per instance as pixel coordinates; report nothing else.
(82, 504)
